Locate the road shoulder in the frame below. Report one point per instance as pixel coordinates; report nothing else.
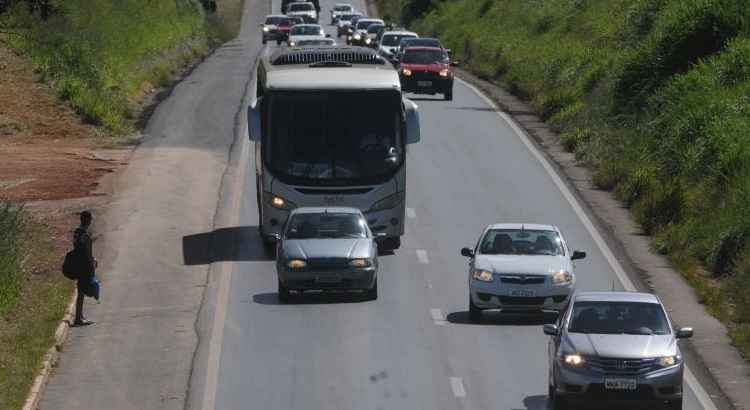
(718, 365)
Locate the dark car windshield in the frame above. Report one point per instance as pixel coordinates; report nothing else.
(393, 40)
(326, 226)
(618, 318)
(342, 8)
(423, 56)
(335, 137)
(364, 25)
(277, 20)
(307, 31)
(348, 17)
(374, 28)
(420, 42)
(521, 242)
(301, 7)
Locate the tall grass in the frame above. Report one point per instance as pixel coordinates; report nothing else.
(11, 255)
(652, 94)
(100, 54)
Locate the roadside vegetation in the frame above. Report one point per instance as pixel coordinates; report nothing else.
(651, 94)
(104, 56)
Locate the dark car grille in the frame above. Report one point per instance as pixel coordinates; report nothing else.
(515, 300)
(325, 264)
(642, 392)
(522, 279)
(622, 366)
(424, 76)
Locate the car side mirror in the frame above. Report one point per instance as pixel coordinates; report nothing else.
(412, 121)
(578, 255)
(551, 330)
(254, 120)
(684, 333)
(467, 252)
(454, 63)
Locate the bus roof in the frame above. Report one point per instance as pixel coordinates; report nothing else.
(329, 68)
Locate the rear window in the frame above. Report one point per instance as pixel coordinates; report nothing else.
(301, 7)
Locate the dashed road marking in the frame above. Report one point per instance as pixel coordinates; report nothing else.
(457, 385)
(437, 316)
(411, 213)
(422, 257)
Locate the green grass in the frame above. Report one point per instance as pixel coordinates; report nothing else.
(651, 94)
(33, 298)
(100, 54)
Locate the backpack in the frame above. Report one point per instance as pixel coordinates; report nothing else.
(73, 265)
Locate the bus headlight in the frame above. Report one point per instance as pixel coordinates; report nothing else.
(388, 202)
(278, 202)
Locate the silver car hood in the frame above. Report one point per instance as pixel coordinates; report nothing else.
(621, 345)
(327, 248)
(527, 264)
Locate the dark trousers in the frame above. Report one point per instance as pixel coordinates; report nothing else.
(81, 288)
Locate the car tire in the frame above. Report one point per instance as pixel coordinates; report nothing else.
(283, 293)
(475, 313)
(675, 404)
(372, 293)
(448, 95)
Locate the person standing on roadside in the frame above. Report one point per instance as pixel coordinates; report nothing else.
(83, 244)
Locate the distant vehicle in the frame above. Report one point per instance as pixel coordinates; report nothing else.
(609, 347)
(427, 70)
(340, 9)
(372, 34)
(276, 28)
(390, 40)
(328, 42)
(285, 5)
(351, 28)
(419, 42)
(344, 21)
(305, 10)
(302, 32)
(324, 249)
(359, 34)
(520, 267)
(331, 128)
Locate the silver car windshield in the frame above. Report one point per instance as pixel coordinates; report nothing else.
(307, 31)
(618, 318)
(342, 8)
(301, 7)
(521, 242)
(326, 226)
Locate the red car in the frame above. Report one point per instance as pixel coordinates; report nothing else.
(427, 70)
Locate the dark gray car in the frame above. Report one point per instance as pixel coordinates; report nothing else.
(327, 249)
(615, 347)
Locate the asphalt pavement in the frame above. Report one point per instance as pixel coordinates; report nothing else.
(413, 348)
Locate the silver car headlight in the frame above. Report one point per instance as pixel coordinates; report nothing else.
(562, 277)
(669, 361)
(574, 360)
(296, 264)
(360, 263)
(482, 275)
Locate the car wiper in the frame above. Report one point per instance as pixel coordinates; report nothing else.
(645, 332)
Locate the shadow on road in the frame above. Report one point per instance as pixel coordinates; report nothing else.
(504, 318)
(311, 298)
(535, 403)
(236, 244)
(483, 109)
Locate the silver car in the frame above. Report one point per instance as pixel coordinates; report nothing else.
(615, 346)
(520, 267)
(327, 249)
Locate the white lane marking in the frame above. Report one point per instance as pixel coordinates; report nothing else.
(422, 257)
(224, 272)
(410, 213)
(700, 392)
(437, 316)
(457, 385)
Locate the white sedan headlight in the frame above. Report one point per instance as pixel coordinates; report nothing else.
(482, 275)
(265, 28)
(561, 277)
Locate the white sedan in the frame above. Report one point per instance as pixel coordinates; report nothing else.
(302, 32)
(520, 267)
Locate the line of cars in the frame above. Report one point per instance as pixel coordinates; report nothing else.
(603, 347)
(297, 27)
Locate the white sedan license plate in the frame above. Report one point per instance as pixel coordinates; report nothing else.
(620, 384)
(522, 293)
(424, 83)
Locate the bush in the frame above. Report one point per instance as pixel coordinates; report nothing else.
(11, 249)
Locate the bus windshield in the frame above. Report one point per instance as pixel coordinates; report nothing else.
(334, 138)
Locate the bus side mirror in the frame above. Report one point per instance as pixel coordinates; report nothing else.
(412, 121)
(253, 120)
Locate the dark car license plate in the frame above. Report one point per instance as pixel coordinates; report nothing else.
(424, 83)
(620, 383)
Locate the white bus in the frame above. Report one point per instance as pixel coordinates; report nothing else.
(331, 128)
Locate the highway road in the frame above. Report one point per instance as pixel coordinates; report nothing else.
(412, 348)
